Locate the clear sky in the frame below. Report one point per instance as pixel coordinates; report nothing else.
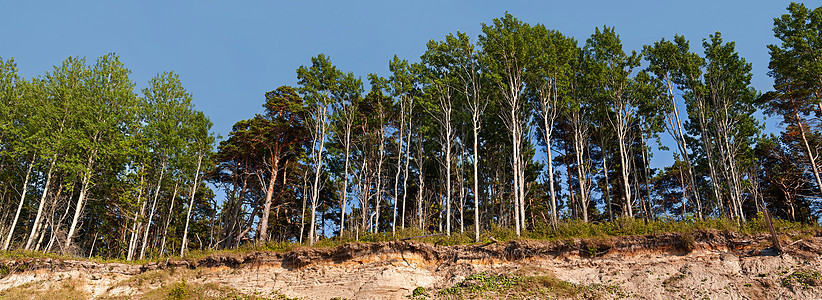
(229, 53)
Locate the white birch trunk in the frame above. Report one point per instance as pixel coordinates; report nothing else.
(37, 219)
(184, 243)
(144, 245)
(20, 206)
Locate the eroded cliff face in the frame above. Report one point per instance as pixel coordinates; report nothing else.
(707, 264)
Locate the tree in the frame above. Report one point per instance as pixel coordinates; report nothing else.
(166, 102)
(439, 61)
(317, 84)
(507, 52)
(550, 77)
(610, 69)
(403, 80)
(797, 74)
(109, 108)
(343, 123)
(200, 141)
(731, 99)
(666, 59)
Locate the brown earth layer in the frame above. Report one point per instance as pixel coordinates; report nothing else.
(705, 264)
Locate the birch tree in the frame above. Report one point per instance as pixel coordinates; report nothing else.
(317, 84)
(507, 52)
(666, 62)
(550, 76)
(200, 141)
(611, 68)
(109, 108)
(343, 125)
(402, 86)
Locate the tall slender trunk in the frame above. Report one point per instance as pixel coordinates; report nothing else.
(399, 170)
(677, 132)
(20, 206)
(318, 164)
(550, 160)
(168, 221)
(808, 152)
(52, 225)
(269, 193)
(582, 178)
(572, 199)
(623, 159)
(607, 186)
(379, 192)
(37, 219)
(522, 186)
(132, 245)
(420, 183)
(708, 151)
(144, 245)
(365, 189)
(462, 191)
(580, 144)
(405, 176)
(515, 164)
(344, 194)
(648, 200)
(302, 208)
(184, 243)
(476, 180)
(448, 179)
(81, 199)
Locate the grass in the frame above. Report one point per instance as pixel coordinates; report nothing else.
(197, 291)
(512, 286)
(626, 227)
(64, 289)
(804, 278)
(564, 231)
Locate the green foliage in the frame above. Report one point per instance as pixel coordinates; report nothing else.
(805, 278)
(626, 227)
(419, 293)
(487, 285)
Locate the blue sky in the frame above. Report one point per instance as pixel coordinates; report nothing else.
(230, 53)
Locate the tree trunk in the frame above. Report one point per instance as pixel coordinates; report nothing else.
(344, 194)
(607, 187)
(405, 176)
(79, 208)
(379, 191)
(20, 206)
(318, 163)
(135, 227)
(168, 221)
(515, 162)
(399, 170)
(476, 180)
(269, 193)
(708, 151)
(144, 245)
(190, 205)
(809, 153)
(682, 145)
(37, 219)
(623, 159)
(448, 178)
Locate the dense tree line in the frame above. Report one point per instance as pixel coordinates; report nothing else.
(91, 168)
(522, 128)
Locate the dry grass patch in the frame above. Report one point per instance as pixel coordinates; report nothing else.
(63, 289)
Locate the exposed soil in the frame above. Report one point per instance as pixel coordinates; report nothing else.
(702, 265)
